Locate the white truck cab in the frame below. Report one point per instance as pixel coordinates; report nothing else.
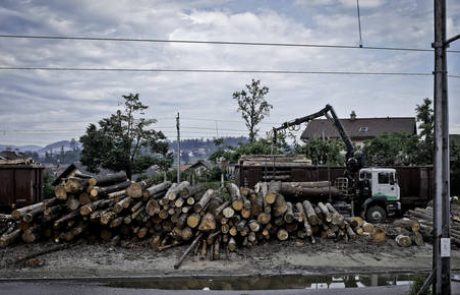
(379, 189)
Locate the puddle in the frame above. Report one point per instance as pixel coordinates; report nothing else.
(265, 282)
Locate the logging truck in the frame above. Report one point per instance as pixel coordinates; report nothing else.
(372, 192)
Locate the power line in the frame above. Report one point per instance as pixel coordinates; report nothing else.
(216, 71)
(271, 44)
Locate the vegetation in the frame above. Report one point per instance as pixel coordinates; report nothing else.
(124, 141)
(392, 150)
(324, 151)
(253, 106)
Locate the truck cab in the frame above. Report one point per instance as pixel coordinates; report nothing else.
(379, 193)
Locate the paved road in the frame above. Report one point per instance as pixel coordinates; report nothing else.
(59, 287)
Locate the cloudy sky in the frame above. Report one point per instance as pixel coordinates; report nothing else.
(40, 107)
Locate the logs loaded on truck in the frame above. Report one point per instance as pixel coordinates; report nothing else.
(213, 222)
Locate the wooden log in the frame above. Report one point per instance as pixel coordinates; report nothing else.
(72, 203)
(136, 189)
(9, 238)
(280, 206)
(368, 227)
(107, 217)
(69, 216)
(378, 234)
(59, 192)
(32, 234)
(152, 207)
(231, 245)
(84, 198)
(116, 222)
(351, 234)
(117, 194)
(320, 190)
(53, 212)
(91, 207)
(264, 218)
(122, 204)
(97, 191)
(189, 249)
(403, 241)
(289, 214)
(179, 203)
(108, 179)
(282, 235)
(180, 190)
(327, 215)
(30, 215)
(408, 224)
(257, 204)
(193, 220)
(336, 217)
(75, 185)
(216, 254)
(154, 190)
(208, 195)
(313, 219)
(208, 223)
(303, 219)
(228, 212)
(18, 214)
(235, 196)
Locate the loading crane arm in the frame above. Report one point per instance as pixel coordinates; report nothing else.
(328, 111)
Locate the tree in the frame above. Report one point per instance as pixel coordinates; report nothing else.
(253, 106)
(121, 142)
(324, 151)
(425, 117)
(394, 149)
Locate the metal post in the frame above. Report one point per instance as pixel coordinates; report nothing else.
(441, 246)
(178, 147)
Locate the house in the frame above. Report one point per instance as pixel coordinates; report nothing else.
(199, 168)
(359, 129)
(21, 180)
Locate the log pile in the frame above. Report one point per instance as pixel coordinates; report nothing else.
(424, 217)
(110, 207)
(214, 223)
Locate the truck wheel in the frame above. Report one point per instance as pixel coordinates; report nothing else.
(375, 214)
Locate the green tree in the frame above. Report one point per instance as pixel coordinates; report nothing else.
(391, 150)
(425, 117)
(324, 151)
(121, 141)
(253, 106)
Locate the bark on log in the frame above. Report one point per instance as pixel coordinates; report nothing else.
(313, 219)
(280, 206)
(108, 179)
(136, 189)
(205, 199)
(17, 214)
(155, 189)
(98, 191)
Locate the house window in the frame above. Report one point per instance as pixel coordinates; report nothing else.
(363, 129)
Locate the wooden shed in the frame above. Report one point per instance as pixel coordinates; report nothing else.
(21, 182)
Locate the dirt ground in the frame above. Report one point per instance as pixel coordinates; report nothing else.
(88, 260)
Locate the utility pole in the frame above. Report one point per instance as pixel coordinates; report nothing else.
(178, 147)
(441, 246)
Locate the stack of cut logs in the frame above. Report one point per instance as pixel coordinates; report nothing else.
(424, 217)
(110, 207)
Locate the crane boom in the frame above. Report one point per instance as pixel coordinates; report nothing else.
(330, 114)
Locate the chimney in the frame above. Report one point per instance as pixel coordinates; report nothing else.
(353, 115)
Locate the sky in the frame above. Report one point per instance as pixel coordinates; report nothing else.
(40, 107)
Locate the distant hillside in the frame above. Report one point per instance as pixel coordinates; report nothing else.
(21, 148)
(66, 145)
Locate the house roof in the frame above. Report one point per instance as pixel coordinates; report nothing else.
(360, 128)
(199, 163)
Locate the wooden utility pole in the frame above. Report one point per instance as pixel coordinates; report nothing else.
(178, 147)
